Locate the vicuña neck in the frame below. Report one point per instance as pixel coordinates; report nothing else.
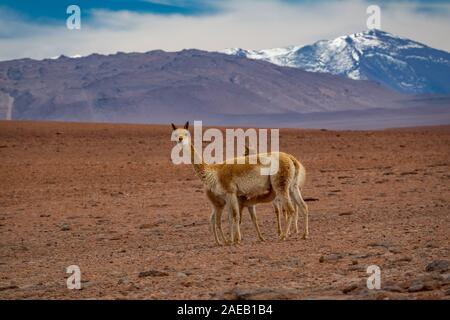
(198, 164)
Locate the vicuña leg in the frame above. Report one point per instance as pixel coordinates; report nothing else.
(213, 226)
(233, 217)
(296, 200)
(252, 212)
(277, 209)
(219, 225)
(241, 210)
(288, 206)
(303, 207)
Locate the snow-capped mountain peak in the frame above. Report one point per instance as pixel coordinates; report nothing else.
(396, 62)
(280, 56)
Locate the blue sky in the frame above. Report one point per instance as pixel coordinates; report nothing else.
(31, 28)
(52, 9)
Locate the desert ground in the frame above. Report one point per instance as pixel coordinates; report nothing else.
(108, 199)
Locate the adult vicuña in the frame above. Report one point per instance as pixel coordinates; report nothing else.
(249, 203)
(295, 192)
(229, 181)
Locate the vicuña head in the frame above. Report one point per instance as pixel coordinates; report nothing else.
(181, 135)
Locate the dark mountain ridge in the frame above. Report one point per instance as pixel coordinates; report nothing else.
(159, 87)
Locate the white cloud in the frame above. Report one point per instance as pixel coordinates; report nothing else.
(243, 23)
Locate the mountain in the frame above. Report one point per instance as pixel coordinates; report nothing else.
(220, 89)
(160, 86)
(397, 63)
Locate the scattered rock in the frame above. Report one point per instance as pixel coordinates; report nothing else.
(395, 250)
(348, 213)
(260, 294)
(310, 199)
(186, 284)
(367, 255)
(87, 284)
(357, 267)
(406, 173)
(416, 287)
(383, 244)
(101, 237)
(445, 278)
(145, 226)
(393, 288)
(130, 287)
(73, 217)
(403, 259)
(438, 265)
(333, 257)
(181, 275)
(153, 273)
(123, 280)
(431, 244)
(423, 285)
(64, 227)
(10, 287)
(350, 288)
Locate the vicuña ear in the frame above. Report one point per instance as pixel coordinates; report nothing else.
(247, 151)
(186, 126)
(173, 126)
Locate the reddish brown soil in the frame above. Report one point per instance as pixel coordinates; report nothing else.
(107, 198)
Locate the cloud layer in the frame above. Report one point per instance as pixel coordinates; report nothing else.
(239, 23)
